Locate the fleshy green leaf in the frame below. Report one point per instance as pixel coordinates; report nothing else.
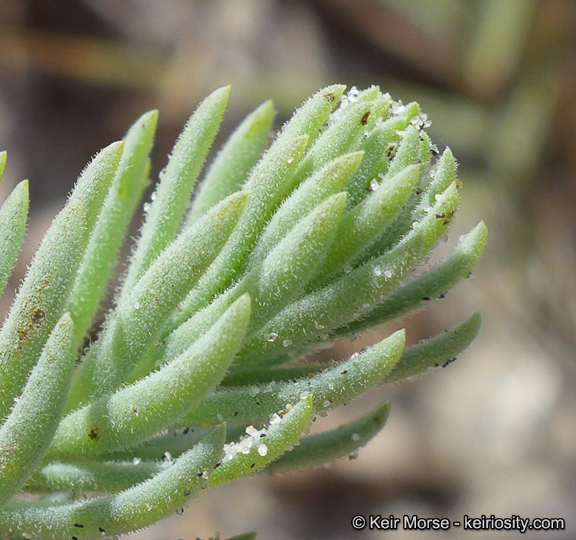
(344, 131)
(279, 278)
(431, 284)
(336, 385)
(437, 351)
(408, 153)
(266, 186)
(269, 183)
(260, 447)
(135, 413)
(290, 265)
(136, 326)
(379, 147)
(316, 450)
(99, 477)
(309, 119)
(13, 214)
(44, 294)
(234, 162)
(40, 301)
(414, 360)
(357, 292)
(366, 221)
(328, 181)
(109, 232)
(118, 514)
(168, 444)
(27, 432)
(261, 376)
(172, 195)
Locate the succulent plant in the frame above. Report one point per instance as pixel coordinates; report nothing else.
(191, 381)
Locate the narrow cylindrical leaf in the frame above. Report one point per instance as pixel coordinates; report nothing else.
(137, 323)
(174, 273)
(437, 351)
(110, 230)
(345, 131)
(336, 385)
(357, 292)
(310, 117)
(366, 221)
(380, 147)
(269, 183)
(137, 412)
(267, 188)
(99, 477)
(44, 294)
(94, 182)
(319, 449)
(277, 280)
(30, 426)
(40, 301)
(172, 196)
(442, 175)
(326, 182)
(431, 284)
(408, 151)
(13, 214)
(291, 264)
(261, 375)
(125, 512)
(413, 148)
(233, 163)
(171, 443)
(374, 162)
(260, 447)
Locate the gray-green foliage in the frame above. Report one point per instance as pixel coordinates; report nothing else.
(315, 239)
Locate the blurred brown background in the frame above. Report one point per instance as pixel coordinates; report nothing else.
(494, 433)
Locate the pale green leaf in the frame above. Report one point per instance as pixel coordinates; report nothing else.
(13, 214)
(334, 386)
(135, 413)
(27, 432)
(260, 447)
(135, 326)
(172, 195)
(321, 448)
(109, 232)
(125, 512)
(234, 162)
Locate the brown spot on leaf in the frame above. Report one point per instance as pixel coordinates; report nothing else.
(93, 433)
(37, 319)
